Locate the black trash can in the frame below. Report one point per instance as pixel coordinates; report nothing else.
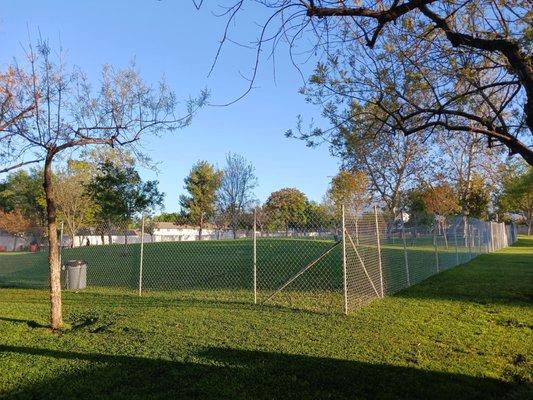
(76, 274)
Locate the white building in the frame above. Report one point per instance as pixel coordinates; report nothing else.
(172, 232)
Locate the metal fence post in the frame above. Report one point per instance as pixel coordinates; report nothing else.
(435, 224)
(491, 233)
(405, 258)
(141, 258)
(344, 277)
(61, 244)
(255, 257)
(379, 252)
(469, 241)
(456, 246)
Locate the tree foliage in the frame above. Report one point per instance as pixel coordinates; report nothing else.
(47, 108)
(120, 194)
(202, 185)
(14, 222)
(390, 161)
(517, 193)
(23, 190)
(349, 189)
(415, 66)
(440, 200)
(286, 209)
(76, 208)
(318, 216)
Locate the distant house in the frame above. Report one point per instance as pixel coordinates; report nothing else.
(9, 242)
(93, 236)
(172, 232)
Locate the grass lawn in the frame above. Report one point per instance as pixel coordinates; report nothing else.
(225, 266)
(463, 334)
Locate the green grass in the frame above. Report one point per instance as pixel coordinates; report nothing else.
(463, 334)
(226, 265)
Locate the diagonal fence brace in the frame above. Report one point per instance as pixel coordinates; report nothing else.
(302, 271)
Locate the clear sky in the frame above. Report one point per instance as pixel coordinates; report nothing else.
(173, 39)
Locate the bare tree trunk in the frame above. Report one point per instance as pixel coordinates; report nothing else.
(72, 235)
(56, 313)
(15, 243)
(201, 227)
(356, 231)
(444, 228)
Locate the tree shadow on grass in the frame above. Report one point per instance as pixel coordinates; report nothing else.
(30, 323)
(239, 374)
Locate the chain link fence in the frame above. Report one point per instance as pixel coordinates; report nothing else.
(333, 263)
(383, 257)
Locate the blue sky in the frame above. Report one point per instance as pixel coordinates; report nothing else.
(173, 39)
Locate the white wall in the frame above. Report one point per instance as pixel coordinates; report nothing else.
(8, 241)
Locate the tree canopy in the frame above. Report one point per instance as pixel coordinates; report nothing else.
(202, 185)
(414, 66)
(517, 193)
(120, 193)
(23, 190)
(286, 209)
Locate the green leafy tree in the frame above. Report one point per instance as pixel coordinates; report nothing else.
(318, 216)
(349, 188)
(202, 185)
(167, 217)
(441, 201)
(517, 194)
(415, 207)
(477, 200)
(23, 190)
(120, 194)
(286, 209)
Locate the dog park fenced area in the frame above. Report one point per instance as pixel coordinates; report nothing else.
(335, 265)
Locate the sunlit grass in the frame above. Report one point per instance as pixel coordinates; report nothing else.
(461, 334)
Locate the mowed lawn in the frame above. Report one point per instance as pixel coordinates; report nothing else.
(223, 269)
(463, 334)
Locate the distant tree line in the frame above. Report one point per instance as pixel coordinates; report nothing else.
(104, 191)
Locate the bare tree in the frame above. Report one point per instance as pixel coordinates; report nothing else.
(475, 52)
(235, 194)
(466, 160)
(68, 114)
(14, 105)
